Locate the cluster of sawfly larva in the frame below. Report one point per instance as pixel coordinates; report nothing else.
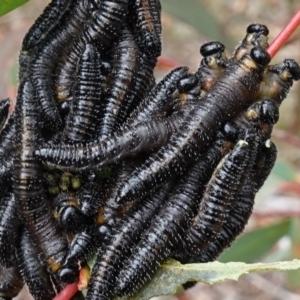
(98, 159)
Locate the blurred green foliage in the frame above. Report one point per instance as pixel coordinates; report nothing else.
(8, 5)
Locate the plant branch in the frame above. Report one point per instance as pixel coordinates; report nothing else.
(283, 36)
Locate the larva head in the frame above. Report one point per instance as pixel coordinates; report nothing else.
(292, 67)
(71, 219)
(103, 232)
(258, 29)
(230, 131)
(68, 274)
(213, 56)
(260, 56)
(269, 112)
(212, 49)
(186, 83)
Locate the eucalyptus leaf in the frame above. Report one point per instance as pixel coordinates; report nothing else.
(170, 277)
(8, 5)
(198, 16)
(254, 244)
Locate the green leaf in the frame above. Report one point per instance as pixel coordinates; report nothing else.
(169, 278)
(8, 5)
(196, 15)
(293, 276)
(251, 246)
(284, 171)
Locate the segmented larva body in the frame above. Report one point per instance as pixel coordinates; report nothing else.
(4, 108)
(106, 22)
(82, 122)
(81, 248)
(212, 65)
(278, 80)
(143, 83)
(265, 161)
(168, 227)
(48, 53)
(34, 274)
(6, 167)
(8, 229)
(255, 172)
(110, 212)
(8, 136)
(11, 283)
(148, 25)
(135, 137)
(118, 247)
(50, 17)
(158, 98)
(125, 67)
(214, 206)
(201, 123)
(32, 205)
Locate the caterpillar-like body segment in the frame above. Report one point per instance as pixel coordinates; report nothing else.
(212, 65)
(110, 212)
(43, 64)
(8, 136)
(125, 67)
(50, 17)
(200, 124)
(168, 227)
(242, 202)
(278, 80)
(138, 137)
(106, 24)
(265, 161)
(132, 141)
(11, 283)
(80, 250)
(8, 229)
(34, 274)
(32, 204)
(147, 22)
(6, 169)
(90, 196)
(214, 206)
(119, 246)
(142, 84)
(4, 109)
(82, 121)
(157, 99)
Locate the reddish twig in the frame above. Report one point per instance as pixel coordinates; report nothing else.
(276, 214)
(289, 187)
(167, 63)
(284, 34)
(68, 292)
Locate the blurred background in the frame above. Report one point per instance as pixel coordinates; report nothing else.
(273, 232)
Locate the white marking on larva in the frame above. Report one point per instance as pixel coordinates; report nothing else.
(268, 143)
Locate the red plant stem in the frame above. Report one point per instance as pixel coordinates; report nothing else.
(284, 34)
(68, 292)
(289, 187)
(281, 215)
(167, 63)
